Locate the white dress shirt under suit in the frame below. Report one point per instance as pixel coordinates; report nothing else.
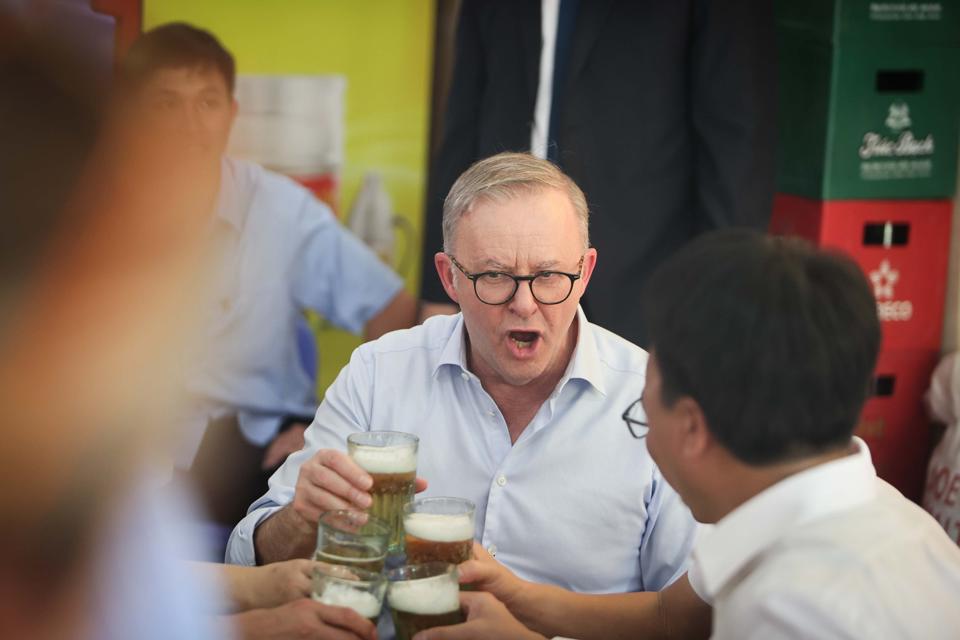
(575, 502)
(831, 552)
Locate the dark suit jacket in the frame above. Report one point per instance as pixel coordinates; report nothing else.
(666, 121)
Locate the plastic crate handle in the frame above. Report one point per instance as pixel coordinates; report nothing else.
(886, 234)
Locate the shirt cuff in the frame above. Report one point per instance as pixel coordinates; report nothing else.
(240, 546)
(259, 428)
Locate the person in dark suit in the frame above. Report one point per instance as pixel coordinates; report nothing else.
(662, 111)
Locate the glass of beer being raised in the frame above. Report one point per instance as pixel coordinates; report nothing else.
(390, 457)
(439, 530)
(423, 596)
(350, 587)
(353, 539)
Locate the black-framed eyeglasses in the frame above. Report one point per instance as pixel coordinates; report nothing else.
(498, 287)
(636, 419)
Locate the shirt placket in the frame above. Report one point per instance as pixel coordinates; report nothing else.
(499, 436)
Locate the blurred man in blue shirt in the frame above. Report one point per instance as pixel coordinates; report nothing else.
(278, 252)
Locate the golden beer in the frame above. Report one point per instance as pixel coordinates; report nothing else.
(409, 624)
(423, 596)
(390, 457)
(439, 530)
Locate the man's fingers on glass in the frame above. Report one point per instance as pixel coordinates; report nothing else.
(344, 618)
(311, 501)
(336, 484)
(347, 468)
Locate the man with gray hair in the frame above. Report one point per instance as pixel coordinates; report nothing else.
(517, 402)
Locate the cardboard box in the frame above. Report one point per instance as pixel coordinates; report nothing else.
(863, 120)
(894, 423)
(902, 246)
(873, 21)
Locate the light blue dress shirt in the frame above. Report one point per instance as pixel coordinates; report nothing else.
(575, 502)
(283, 251)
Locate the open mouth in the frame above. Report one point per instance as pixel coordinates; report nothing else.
(524, 339)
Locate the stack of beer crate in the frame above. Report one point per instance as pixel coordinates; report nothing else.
(869, 121)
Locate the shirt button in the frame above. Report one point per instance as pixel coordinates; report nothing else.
(502, 480)
(491, 414)
(492, 550)
(464, 375)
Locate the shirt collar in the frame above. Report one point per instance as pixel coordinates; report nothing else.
(761, 521)
(584, 364)
(454, 352)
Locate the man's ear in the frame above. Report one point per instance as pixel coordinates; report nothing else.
(589, 264)
(445, 271)
(696, 438)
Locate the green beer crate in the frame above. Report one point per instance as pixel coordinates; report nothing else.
(871, 21)
(865, 120)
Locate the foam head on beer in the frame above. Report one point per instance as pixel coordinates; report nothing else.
(342, 595)
(385, 459)
(426, 596)
(439, 527)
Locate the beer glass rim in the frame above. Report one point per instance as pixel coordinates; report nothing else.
(352, 575)
(424, 571)
(395, 438)
(372, 526)
(411, 507)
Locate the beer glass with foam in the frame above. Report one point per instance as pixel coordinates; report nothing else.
(390, 457)
(350, 587)
(439, 530)
(423, 596)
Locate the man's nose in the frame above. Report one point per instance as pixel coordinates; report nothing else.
(191, 121)
(523, 303)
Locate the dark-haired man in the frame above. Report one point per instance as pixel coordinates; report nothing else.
(762, 354)
(280, 252)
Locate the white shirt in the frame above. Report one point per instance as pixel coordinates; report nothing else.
(540, 131)
(831, 552)
(283, 251)
(576, 502)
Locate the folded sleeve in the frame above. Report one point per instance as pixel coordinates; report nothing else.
(668, 537)
(335, 274)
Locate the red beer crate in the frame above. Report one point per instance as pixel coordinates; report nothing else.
(903, 246)
(894, 423)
